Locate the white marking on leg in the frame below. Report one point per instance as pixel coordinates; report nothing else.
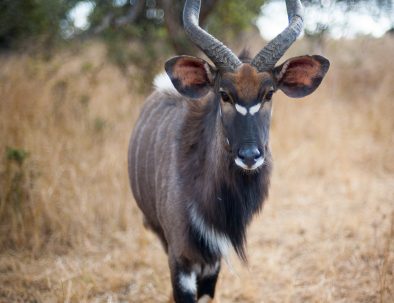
(254, 109)
(215, 240)
(240, 163)
(188, 282)
(205, 299)
(241, 109)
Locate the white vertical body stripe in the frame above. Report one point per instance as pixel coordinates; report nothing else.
(141, 127)
(188, 282)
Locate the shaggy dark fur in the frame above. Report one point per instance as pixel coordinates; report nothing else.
(182, 158)
(226, 196)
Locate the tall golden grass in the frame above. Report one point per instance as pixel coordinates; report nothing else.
(61, 114)
(70, 230)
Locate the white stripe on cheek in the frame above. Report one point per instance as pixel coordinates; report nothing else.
(188, 282)
(242, 110)
(254, 109)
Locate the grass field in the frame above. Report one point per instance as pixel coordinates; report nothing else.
(71, 232)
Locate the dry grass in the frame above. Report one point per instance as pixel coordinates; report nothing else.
(70, 232)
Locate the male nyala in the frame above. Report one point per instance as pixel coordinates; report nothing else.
(199, 157)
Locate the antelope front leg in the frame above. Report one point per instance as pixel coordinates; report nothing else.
(206, 283)
(184, 281)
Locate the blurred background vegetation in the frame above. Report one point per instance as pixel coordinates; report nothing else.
(50, 21)
(156, 24)
(70, 93)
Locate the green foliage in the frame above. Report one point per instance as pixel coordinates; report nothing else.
(99, 125)
(16, 155)
(16, 185)
(44, 21)
(139, 46)
(147, 40)
(233, 16)
(138, 33)
(32, 21)
(227, 18)
(84, 100)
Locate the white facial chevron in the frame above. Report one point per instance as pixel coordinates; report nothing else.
(244, 111)
(254, 109)
(241, 109)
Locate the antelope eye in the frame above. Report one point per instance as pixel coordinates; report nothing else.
(268, 96)
(225, 96)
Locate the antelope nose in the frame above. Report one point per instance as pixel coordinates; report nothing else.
(249, 154)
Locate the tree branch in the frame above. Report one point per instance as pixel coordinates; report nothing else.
(134, 13)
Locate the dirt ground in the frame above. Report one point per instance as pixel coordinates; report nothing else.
(326, 233)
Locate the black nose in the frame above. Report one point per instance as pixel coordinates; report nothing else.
(249, 154)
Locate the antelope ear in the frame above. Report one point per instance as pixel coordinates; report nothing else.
(300, 76)
(192, 77)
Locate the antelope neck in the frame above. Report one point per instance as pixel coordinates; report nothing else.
(227, 198)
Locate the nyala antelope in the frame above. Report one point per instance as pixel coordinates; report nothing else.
(199, 157)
